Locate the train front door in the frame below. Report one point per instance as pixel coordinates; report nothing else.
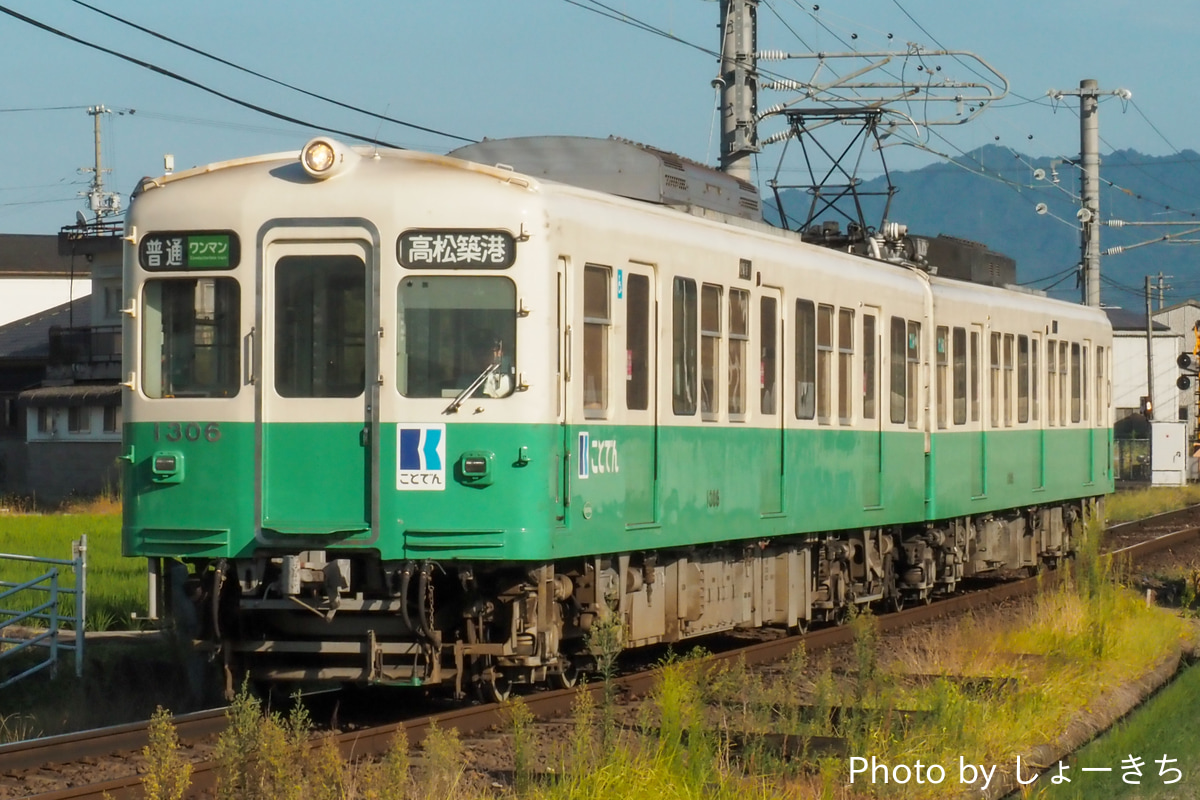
(317, 393)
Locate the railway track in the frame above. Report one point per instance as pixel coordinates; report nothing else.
(1136, 541)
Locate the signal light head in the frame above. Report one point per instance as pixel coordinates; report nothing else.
(1186, 361)
(1184, 382)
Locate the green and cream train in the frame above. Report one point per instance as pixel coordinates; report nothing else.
(396, 417)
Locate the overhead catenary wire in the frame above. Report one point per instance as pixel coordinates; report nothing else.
(276, 81)
(190, 82)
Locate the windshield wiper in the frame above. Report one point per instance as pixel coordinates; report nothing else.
(472, 388)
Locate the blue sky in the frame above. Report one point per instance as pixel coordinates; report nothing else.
(500, 68)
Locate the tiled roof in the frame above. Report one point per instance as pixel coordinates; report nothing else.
(29, 338)
(1122, 319)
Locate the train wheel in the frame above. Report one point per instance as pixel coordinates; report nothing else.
(567, 675)
(493, 686)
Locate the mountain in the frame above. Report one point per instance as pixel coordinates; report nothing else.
(990, 195)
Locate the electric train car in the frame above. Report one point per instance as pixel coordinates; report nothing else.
(395, 417)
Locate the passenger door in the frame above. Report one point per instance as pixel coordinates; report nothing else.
(317, 393)
(638, 440)
(770, 400)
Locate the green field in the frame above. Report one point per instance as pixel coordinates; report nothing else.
(116, 586)
(1166, 727)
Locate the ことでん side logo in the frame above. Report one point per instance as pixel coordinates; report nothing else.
(421, 457)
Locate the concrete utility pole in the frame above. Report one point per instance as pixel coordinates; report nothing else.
(1089, 181)
(1149, 353)
(738, 82)
(101, 202)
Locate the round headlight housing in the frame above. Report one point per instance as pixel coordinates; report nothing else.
(319, 158)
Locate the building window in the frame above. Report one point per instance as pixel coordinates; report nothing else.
(45, 416)
(79, 419)
(112, 419)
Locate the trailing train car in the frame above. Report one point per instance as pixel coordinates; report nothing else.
(406, 418)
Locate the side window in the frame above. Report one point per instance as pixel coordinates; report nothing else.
(1101, 402)
(1076, 384)
(739, 334)
(960, 376)
(898, 353)
(824, 363)
(637, 342)
(870, 346)
(943, 369)
(845, 364)
(596, 324)
(1008, 379)
(710, 350)
(769, 366)
(1052, 382)
(806, 360)
(976, 366)
(1083, 369)
(914, 373)
(683, 338)
(994, 379)
(1033, 378)
(191, 338)
(1022, 379)
(1063, 369)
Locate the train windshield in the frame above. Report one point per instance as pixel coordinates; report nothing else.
(190, 337)
(452, 330)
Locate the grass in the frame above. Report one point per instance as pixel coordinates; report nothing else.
(1166, 727)
(1038, 664)
(116, 586)
(1138, 503)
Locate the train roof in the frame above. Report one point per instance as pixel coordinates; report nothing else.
(621, 167)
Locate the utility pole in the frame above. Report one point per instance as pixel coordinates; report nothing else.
(738, 82)
(1149, 354)
(101, 202)
(1089, 181)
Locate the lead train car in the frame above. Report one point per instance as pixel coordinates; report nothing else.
(398, 417)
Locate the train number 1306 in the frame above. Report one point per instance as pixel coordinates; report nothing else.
(192, 431)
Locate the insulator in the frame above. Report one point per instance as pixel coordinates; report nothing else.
(785, 85)
(1114, 251)
(1115, 223)
(772, 55)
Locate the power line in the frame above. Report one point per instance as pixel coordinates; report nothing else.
(275, 81)
(182, 79)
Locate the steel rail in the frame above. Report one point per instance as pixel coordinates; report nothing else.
(543, 705)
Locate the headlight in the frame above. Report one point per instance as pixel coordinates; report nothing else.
(323, 158)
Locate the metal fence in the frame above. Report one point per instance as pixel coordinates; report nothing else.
(45, 589)
(1131, 460)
